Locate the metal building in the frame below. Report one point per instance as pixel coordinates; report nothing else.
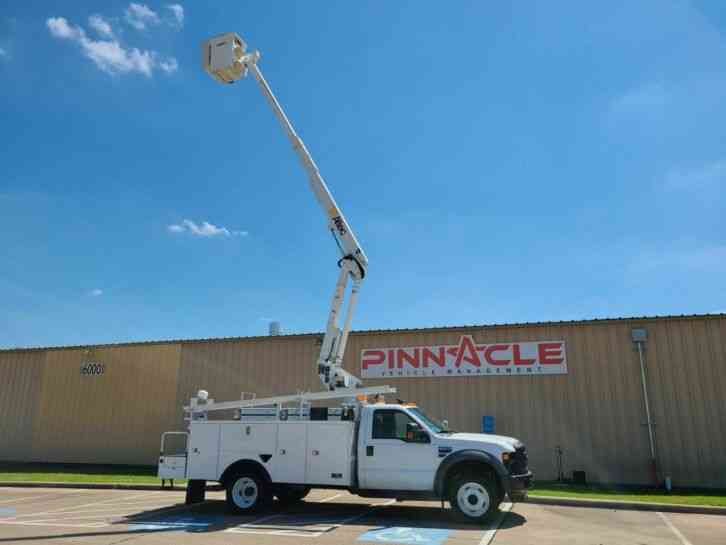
(572, 391)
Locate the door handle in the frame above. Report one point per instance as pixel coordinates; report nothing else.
(316, 452)
(369, 450)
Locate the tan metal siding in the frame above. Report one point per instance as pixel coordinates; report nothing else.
(687, 370)
(116, 417)
(20, 374)
(595, 412)
(266, 367)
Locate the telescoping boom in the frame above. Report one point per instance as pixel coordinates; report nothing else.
(226, 59)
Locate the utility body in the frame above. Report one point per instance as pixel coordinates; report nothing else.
(284, 446)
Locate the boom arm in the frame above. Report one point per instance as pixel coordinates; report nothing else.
(353, 263)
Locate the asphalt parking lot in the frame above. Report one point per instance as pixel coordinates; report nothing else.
(327, 517)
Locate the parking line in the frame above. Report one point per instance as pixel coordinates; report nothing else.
(63, 516)
(268, 517)
(491, 532)
(91, 516)
(64, 512)
(21, 523)
(250, 527)
(116, 506)
(28, 498)
(675, 530)
(64, 509)
(329, 499)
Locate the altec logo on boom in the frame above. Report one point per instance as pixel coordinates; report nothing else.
(466, 358)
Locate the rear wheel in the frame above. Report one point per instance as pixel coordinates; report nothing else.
(288, 495)
(247, 492)
(474, 498)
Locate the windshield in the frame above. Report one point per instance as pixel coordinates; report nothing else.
(433, 425)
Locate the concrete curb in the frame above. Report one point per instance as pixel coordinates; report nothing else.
(627, 505)
(100, 486)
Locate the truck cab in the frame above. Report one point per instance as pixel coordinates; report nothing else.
(404, 453)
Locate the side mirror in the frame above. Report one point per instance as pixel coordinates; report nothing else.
(445, 425)
(414, 434)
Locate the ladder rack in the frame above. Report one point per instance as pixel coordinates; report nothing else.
(196, 405)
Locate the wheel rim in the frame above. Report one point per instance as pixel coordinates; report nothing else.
(245, 493)
(473, 499)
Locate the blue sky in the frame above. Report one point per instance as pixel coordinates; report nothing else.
(499, 162)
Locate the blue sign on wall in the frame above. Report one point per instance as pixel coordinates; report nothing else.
(487, 424)
(406, 536)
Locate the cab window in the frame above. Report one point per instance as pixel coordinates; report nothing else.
(390, 424)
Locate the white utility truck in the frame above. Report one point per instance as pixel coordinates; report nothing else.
(260, 448)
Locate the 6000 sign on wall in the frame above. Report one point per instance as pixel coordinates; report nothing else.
(92, 369)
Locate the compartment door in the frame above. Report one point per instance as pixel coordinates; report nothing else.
(328, 453)
(203, 451)
(288, 462)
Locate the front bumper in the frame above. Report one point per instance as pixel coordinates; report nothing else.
(519, 484)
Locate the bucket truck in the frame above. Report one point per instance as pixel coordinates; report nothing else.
(282, 447)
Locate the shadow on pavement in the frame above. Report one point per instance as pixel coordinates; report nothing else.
(512, 520)
(212, 516)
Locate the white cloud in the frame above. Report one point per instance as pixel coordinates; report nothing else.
(60, 28)
(141, 15)
(3, 53)
(177, 11)
(707, 176)
(203, 229)
(109, 55)
(100, 25)
(95, 292)
(169, 65)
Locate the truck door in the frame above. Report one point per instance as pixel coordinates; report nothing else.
(390, 459)
(173, 458)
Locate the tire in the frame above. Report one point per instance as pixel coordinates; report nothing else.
(247, 492)
(195, 491)
(289, 495)
(474, 498)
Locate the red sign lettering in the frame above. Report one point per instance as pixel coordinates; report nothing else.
(467, 358)
(518, 360)
(496, 348)
(550, 353)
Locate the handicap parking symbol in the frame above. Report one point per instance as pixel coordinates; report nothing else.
(406, 536)
(189, 524)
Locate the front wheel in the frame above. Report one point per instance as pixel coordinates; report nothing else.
(247, 493)
(474, 499)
